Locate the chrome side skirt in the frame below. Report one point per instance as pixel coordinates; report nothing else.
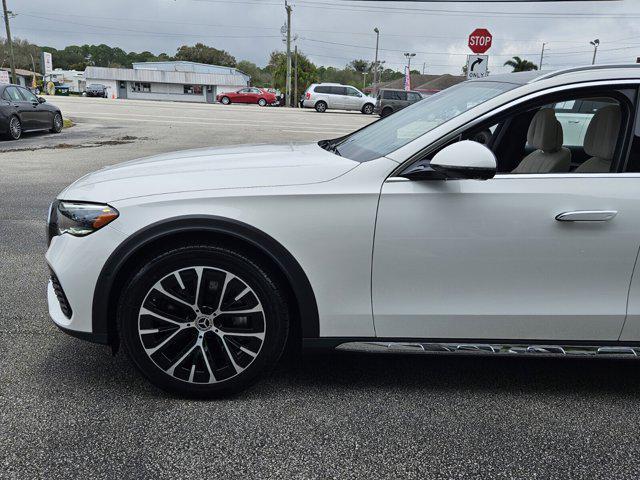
(490, 348)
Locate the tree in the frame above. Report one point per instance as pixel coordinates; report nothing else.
(277, 67)
(260, 77)
(360, 66)
(520, 65)
(202, 53)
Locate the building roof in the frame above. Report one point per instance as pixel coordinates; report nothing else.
(163, 76)
(185, 66)
(22, 72)
(440, 82)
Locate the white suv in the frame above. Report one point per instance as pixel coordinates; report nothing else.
(406, 235)
(334, 96)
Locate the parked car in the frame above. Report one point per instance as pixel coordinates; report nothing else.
(334, 96)
(404, 236)
(96, 90)
(391, 100)
(22, 111)
(248, 95)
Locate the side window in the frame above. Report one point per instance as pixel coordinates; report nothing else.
(322, 89)
(352, 92)
(13, 94)
(414, 97)
(339, 90)
(28, 96)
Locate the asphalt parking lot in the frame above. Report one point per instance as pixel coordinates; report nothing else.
(70, 409)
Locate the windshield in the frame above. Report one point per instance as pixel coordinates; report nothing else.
(389, 134)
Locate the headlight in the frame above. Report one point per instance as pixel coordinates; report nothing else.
(78, 218)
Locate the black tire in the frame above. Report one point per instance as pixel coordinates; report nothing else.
(225, 100)
(14, 132)
(367, 109)
(321, 106)
(386, 112)
(57, 123)
(262, 102)
(275, 322)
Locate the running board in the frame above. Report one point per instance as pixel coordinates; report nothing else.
(486, 348)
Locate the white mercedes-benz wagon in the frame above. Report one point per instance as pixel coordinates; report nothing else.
(463, 223)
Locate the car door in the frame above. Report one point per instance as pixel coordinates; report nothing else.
(353, 99)
(241, 96)
(22, 107)
(469, 259)
(42, 116)
(337, 98)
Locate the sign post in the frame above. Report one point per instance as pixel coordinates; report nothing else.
(480, 41)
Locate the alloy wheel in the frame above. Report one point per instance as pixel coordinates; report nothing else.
(15, 128)
(201, 325)
(57, 122)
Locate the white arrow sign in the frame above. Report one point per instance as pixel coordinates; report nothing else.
(477, 66)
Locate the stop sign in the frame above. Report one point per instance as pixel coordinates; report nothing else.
(480, 40)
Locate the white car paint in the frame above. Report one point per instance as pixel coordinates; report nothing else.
(390, 257)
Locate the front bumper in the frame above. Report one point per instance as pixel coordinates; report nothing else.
(76, 263)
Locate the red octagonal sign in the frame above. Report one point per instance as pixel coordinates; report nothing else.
(480, 40)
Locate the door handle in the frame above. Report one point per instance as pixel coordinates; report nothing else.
(574, 121)
(587, 216)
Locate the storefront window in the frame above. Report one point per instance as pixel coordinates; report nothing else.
(193, 89)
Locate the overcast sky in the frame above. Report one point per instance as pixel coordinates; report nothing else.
(333, 32)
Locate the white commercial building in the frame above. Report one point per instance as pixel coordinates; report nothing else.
(172, 81)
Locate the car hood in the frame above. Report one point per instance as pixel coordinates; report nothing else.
(210, 169)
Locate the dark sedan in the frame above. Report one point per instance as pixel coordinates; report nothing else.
(96, 90)
(21, 111)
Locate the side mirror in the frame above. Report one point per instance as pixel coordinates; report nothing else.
(41, 100)
(465, 160)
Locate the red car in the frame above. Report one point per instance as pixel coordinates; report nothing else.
(248, 95)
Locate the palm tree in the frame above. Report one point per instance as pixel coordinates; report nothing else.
(520, 65)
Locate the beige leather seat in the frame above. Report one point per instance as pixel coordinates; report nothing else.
(600, 140)
(545, 134)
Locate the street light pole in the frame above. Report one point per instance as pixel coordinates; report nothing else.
(595, 44)
(409, 56)
(6, 14)
(364, 80)
(375, 62)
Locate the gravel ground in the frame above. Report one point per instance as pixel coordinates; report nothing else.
(69, 409)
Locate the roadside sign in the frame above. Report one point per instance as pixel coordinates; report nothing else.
(480, 40)
(47, 63)
(477, 66)
(4, 77)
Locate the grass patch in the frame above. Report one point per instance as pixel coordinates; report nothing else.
(67, 122)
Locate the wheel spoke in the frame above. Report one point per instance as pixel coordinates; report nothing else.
(146, 311)
(212, 377)
(198, 282)
(151, 351)
(237, 367)
(259, 335)
(228, 277)
(238, 312)
(159, 288)
(181, 359)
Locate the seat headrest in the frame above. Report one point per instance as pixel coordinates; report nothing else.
(545, 131)
(602, 132)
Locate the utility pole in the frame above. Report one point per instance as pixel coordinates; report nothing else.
(424, 67)
(364, 80)
(375, 62)
(409, 56)
(295, 76)
(6, 14)
(595, 44)
(541, 56)
(288, 83)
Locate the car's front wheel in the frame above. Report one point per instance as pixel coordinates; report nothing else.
(56, 126)
(203, 321)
